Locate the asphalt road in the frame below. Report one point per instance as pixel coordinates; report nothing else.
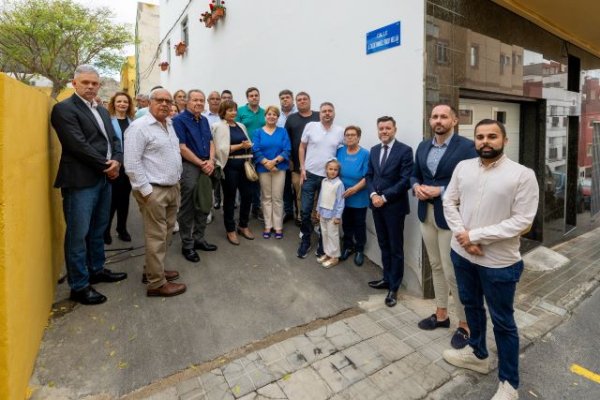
(546, 365)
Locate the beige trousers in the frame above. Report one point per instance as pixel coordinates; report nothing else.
(271, 198)
(330, 232)
(159, 212)
(437, 243)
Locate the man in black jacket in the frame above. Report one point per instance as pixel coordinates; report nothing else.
(91, 155)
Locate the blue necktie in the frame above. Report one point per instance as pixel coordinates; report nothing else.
(385, 155)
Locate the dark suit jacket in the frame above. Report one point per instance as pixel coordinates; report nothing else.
(459, 148)
(393, 181)
(84, 146)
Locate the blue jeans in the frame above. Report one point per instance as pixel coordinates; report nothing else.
(498, 286)
(310, 188)
(87, 213)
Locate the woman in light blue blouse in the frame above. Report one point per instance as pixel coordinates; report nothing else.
(272, 153)
(354, 161)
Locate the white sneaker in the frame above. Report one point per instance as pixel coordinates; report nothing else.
(465, 358)
(209, 219)
(176, 227)
(506, 392)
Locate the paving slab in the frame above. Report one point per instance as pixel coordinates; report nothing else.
(236, 295)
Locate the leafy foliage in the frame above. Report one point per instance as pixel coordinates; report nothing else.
(52, 37)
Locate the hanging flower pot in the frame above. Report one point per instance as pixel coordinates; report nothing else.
(206, 17)
(164, 66)
(219, 11)
(180, 48)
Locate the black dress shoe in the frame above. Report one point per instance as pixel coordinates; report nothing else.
(381, 284)
(287, 217)
(431, 323)
(106, 275)
(124, 236)
(204, 246)
(107, 238)
(190, 255)
(345, 254)
(87, 296)
(391, 299)
(359, 259)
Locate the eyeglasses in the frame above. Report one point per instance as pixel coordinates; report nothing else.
(163, 101)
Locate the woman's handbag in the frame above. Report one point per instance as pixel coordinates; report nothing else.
(250, 170)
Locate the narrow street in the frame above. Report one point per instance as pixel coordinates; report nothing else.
(546, 365)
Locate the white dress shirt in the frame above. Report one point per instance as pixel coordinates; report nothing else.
(496, 204)
(93, 106)
(152, 154)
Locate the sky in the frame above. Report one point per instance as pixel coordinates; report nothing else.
(124, 10)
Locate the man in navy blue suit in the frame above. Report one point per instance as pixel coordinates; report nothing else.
(388, 182)
(435, 160)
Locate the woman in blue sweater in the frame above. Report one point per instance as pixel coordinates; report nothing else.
(272, 153)
(354, 161)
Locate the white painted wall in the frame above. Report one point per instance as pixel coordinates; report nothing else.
(318, 47)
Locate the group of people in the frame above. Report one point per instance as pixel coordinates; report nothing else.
(293, 163)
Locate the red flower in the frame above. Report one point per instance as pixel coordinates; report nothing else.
(212, 6)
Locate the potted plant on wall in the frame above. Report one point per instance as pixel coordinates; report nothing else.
(206, 17)
(164, 66)
(218, 8)
(180, 48)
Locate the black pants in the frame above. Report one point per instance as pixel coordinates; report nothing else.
(235, 179)
(121, 189)
(354, 224)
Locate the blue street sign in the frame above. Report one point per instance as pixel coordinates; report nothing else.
(383, 38)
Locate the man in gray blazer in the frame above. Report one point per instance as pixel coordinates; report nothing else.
(91, 156)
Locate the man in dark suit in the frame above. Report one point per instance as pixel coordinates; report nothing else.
(91, 155)
(435, 161)
(388, 181)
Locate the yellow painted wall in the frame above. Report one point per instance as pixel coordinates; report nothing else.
(31, 230)
(128, 76)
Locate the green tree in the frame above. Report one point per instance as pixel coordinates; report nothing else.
(52, 37)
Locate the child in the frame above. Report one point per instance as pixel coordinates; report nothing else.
(329, 210)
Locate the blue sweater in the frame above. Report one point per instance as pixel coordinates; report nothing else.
(353, 169)
(270, 146)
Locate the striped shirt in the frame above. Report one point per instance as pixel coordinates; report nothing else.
(152, 154)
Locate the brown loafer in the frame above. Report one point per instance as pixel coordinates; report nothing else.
(232, 238)
(245, 232)
(169, 289)
(169, 276)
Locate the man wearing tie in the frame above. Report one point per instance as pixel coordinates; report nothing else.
(91, 155)
(388, 182)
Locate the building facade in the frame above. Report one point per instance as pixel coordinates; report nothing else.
(477, 55)
(146, 47)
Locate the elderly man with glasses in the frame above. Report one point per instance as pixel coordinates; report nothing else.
(153, 164)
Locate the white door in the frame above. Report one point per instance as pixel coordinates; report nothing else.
(472, 111)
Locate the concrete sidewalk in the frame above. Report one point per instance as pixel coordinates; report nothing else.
(381, 354)
(291, 331)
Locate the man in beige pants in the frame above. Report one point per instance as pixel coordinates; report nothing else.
(435, 160)
(153, 164)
